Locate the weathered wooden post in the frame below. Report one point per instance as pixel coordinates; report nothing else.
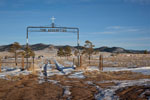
(73, 61)
(101, 62)
(33, 63)
(22, 62)
(80, 60)
(0, 64)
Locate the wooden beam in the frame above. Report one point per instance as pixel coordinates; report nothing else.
(0, 64)
(22, 62)
(101, 62)
(80, 60)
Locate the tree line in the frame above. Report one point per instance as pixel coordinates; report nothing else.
(16, 50)
(66, 51)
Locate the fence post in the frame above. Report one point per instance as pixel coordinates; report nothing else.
(80, 60)
(0, 64)
(101, 62)
(22, 62)
(33, 64)
(73, 61)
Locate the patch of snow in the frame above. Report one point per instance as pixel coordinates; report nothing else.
(103, 94)
(147, 91)
(143, 70)
(6, 71)
(65, 70)
(77, 75)
(53, 81)
(92, 68)
(89, 82)
(109, 92)
(41, 81)
(68, 71)
(54, 72)
(67, 91)
(68, 62)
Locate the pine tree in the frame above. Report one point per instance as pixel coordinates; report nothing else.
(29, 52)
(15, 46)
(76, 52)
(89, 48)
(145, 52)
(67, 51)
(60, 52)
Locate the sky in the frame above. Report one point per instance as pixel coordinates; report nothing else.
(119, 23)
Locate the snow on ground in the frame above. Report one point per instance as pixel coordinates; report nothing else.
(92, 68)
(72, 72)
(77, 75)
(103, 94)
(67, 92)
(68, 62)
(143, 70)
(10, 71)
(109, 92)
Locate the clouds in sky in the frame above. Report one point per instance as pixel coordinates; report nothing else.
(118, 30)
(67, 1)
(124, 29)
(143, 2)
(113, 27)
(22, 3)
(101, 1)
(19, 3)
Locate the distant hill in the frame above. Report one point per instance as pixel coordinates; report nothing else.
(113, 49)
(118, 50)
(5, 47)
(41, 46)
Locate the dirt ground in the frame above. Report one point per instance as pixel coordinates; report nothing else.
(134, 93)
(28, 87)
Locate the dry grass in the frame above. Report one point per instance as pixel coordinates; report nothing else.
(120, 75)
(139, 93)
(120, 60)
(28, 89)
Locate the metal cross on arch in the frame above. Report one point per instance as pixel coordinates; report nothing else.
(52, 28)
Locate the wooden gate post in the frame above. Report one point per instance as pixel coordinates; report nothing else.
(0, 64)
(33, 64)
(73, 61)
(101, 62)
(80, 60)
(22, 62)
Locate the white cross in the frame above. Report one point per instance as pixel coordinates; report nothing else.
(53, 19)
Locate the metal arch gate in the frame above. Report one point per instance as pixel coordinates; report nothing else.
(53, 29)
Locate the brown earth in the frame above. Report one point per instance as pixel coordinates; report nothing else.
(28, 88)
(134, 93)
